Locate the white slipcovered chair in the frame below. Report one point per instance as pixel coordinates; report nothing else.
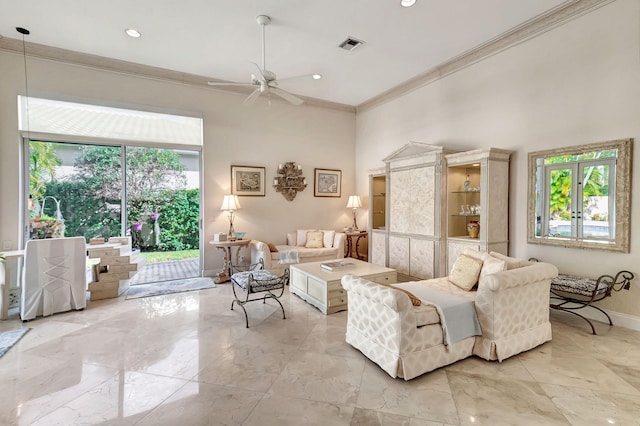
(54, 278)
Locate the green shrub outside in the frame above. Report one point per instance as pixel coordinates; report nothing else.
(90, 217)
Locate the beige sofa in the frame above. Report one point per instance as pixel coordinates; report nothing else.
(298, 250)
(512, 307)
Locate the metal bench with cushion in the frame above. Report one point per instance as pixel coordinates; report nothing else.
(253, 279)
(570, 292)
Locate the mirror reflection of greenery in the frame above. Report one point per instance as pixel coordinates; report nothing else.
(595, 182)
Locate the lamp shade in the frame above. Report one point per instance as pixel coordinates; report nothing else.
(354, 202)
(230, 202)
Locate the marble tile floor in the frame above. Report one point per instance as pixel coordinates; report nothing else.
(186, 359)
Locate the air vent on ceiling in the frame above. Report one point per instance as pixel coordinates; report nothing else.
(351, 44)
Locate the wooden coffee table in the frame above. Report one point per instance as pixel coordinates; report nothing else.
(322, 288)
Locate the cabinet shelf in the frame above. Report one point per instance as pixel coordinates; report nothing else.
(465, 215)
(463, 237)
(464, 192)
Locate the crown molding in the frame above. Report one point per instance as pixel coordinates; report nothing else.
(42, 51)
(523, 32)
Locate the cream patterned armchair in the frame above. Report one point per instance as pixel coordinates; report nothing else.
(512, 308)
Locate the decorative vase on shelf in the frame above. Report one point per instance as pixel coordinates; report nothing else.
(467, 184)
(473, 229)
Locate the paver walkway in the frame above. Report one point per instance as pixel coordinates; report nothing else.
(163, 271)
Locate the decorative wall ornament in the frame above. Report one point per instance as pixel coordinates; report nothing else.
(290, 180)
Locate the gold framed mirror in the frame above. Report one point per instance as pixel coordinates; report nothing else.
(580, 196)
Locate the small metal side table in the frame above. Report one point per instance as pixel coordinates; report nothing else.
(352, 250)
(226, 246)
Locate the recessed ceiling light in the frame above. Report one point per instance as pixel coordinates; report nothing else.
(407, 3)
(316, 76)
(132, 33)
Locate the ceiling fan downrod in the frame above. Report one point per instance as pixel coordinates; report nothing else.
(263, 20)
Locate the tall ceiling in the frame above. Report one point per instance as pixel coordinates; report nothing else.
(219, 39)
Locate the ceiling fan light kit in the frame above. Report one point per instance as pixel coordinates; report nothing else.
(265, 82)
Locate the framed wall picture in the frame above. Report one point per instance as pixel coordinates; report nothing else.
(327, 183)
(247, 180)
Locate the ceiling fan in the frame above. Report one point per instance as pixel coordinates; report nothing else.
(265, 81)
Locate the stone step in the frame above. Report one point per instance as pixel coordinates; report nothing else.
(108, 290)
(116, 247)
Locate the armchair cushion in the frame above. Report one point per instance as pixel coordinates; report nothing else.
(241, 279)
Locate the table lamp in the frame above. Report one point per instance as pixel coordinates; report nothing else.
(353, 203)
(230, 203)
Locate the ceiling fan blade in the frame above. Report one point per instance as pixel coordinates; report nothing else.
(287, 96)
(252, 97)
(296, 77)
(220, 83)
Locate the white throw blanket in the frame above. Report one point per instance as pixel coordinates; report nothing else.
(288, 256)
(457, 315)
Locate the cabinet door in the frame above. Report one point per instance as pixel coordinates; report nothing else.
(378, 254)
(422, 258)
(412, 201)
(298, 280)
(317, 289)
(399, 254)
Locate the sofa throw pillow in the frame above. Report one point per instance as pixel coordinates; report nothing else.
(301, 239)
(512, 262)
(491, 265)
(314, 239)
(327, 238)
(479, 255)
(272, 247)
(465, 272)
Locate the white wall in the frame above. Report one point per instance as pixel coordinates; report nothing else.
(260, 135)
(576, 84)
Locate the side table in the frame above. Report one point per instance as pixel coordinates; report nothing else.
(350, 246)
(226, 246)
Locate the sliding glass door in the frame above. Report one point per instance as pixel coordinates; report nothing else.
(163, 201)
(92, 190)
(74, 190)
